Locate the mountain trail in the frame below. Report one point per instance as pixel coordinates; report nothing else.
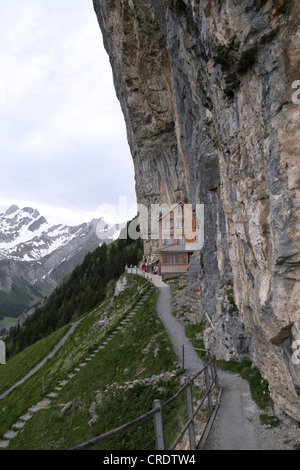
(175, 329)
(40, 364)
(237, 425)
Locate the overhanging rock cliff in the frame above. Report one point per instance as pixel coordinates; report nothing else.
(206, 88)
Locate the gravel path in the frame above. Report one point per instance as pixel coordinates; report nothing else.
(175, 329)
(40, 364)
(237, 424)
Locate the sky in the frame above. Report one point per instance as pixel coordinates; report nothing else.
(63, 143)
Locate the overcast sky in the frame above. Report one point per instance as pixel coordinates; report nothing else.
(63, 141)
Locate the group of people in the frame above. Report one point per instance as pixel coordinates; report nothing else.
(148, 268)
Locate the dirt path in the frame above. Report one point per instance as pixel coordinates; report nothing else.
(40, 364)
(175, 329)
(237, 424)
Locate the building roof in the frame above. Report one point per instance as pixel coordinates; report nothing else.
(171, 209)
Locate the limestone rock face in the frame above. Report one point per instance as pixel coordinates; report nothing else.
(206, 88)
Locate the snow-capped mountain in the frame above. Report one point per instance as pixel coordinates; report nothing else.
(35, 256)
(25, 235)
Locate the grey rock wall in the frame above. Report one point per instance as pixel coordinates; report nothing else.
(206, 91)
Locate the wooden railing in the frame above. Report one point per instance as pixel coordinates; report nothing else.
(136, 270)
(211, 384)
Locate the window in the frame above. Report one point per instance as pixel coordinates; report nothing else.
(180, 241)
(181, 258)
(167, 223)
(165, 258)
(180, 223)
(168, 241)
(176, 258)
(168, 258)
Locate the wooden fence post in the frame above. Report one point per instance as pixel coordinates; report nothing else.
(215, 373)
(207, 382)
(189, 405)
(209, 360)
(158, 426)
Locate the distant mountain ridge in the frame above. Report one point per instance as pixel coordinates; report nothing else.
(35, 256)
(25, 235)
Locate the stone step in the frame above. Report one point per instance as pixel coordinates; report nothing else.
(19, 425)
(63, 383)
(42, 405)
(10, 434)
(26, 417)
(3, 444)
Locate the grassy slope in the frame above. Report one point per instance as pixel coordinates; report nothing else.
(18, 366)
(48, 430)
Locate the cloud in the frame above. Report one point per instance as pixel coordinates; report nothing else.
(62, 134)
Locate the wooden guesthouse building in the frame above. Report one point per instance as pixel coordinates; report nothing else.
(177, 239)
